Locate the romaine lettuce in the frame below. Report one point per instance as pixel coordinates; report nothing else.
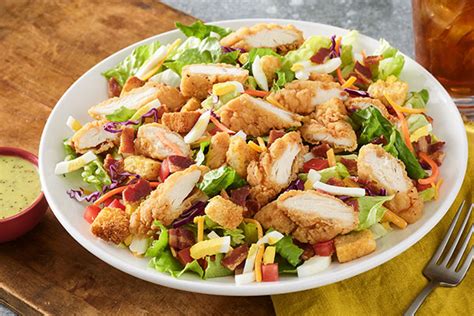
(427, 194)
(284, 267)
(167, 77)
(308, 49)
(418, 100)
(385, 49)
(371, 210)
(192, 266)
(69, 152)
(95, 174)
(214, 267)
(391, 66)
(237, 236)
(416, 121)
(158, 245)
(165, 262)
(250, 232)
(339, 171)
(121, 115)
(201, 30)
(201, 153)
(289, 251)
(260, 52)
(220, 179)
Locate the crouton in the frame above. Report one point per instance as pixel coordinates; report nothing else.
(354, 245)
(146, 168)
(224, 212)
(217, 150)
(395, 89)
(270, 64)
(111, 225)
(240, 155)
(192, 104)
(180, 122)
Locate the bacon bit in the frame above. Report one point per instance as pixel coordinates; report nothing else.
(422, 187)
(239, 196)
(354, 203)
(421, 145)
(381, 140)
(435, 147)
(109, 160)
(257, 93)
(320, 56)
(336, 182)
(340, 78)
(180, 238)
(135, 192)
(169, 144)
(235, 257)
(438, 157)
(274, 135)
(308, 251)
(224, 194)
(363, 73)
(178, 163)
(126, 141)
(221, 126)
(351, 165)
(350, 183)
(251, 207)
(320, 150)
(372, 60)
(113, 88)
(434, 169)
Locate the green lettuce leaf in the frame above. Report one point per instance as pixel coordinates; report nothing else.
(371, 210)
(418, 100)
(390, 147)
(130, 65)
(214, 267)
(308, 49)
(372, 124)
(284, 267)
(427, 194)
(254, 52)
(69, 152)
(237, 236)
(201, 30)
(385, 49)
(165, 262)
(339, 171)
(220, 179)
(416, 121)
(95, 174)
(189, 57)
(201, 153)
(158, 245)
(121, 115)
(288, 250)
(189, 267)
(250, 232)
(230, 57)
(391, 66)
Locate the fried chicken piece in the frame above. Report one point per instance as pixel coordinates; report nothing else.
(146, 168)
(133, 99)
(180, 122)
(217, 150)
(276, 168)
(271, 216)
(319, 216)
(303, 96)
(169, 200)
(375, 164)
(169, 96)
(92, 136)
(329, 124)
(111, 224)
(270, 64)
(239, 155)
(395, 89)
(354, 245)
(157, 141)
(198, 79)
(277, 37)
(191, 105)
(255, 116)
(224, 212)
(321, 77)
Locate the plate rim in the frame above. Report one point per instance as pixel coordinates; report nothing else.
(226, 289)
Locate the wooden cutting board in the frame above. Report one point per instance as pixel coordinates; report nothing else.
(44, 47)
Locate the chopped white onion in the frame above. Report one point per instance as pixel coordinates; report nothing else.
(199, 128)
(313, 265)
(308, 68)
(333, 189)
(314, 176)
(259, 74)
(74, 164)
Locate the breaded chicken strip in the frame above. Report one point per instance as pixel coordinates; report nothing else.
(277, 37)
(329, 124)
(92, 136)
(191, 105)
(224, 212)
(157, 141)
(169, 96)
(111, 224)
(255, 116)
(146, 168)
(180, 122)
(375, 164)
(198, 79)
(319, 216)
(321, 77)
(217, 149)
(276, 168)
(354, 104)
(395, 89)
(169, 200)
(303, 96)
(239, 155)
(271, 216)
(270, 64)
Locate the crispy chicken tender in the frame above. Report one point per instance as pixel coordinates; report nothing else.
(354, 104)
(395, 89)
(146, 168)
(330, 124)
(111, 224)
(321, 77)
(319, 216)
(157, 141)
(92, 136)
(239, 155)
(217, 150)
(354, 245)
(169, 200)
(191, 105)
(224, 212)
(303, 96)
(375, 164)
(180, 122)
(198, 79)
(271, 216)
(270, 64)
(276, 168)
(169, 96)
(277, 37)
(255, 116)
(133, 99)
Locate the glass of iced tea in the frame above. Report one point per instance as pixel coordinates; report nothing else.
(444, 44)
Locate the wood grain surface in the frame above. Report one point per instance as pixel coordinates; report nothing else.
(44, 47)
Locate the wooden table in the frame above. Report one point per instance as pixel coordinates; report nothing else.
(44, 47)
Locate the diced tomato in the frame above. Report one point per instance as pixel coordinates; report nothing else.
(422, 187)
(270, 272)
(184, 256)
(91, 213)
(116, 203)
(108, 201)
(316, 164)
(164, 170)
(135, 192)
(325, 248)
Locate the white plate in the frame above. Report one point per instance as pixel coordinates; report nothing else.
(90, 89)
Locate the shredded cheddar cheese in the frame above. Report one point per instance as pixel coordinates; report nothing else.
(255, 147)
(199, 220)
(436, 187)
(401, 108)
(395, 219)
(259, 227)
(258, 263)
(261, 143)
(349, 82)
(331, 157)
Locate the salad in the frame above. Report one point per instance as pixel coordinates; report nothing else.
(254, 152)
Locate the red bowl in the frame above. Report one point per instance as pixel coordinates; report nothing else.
(17, 225)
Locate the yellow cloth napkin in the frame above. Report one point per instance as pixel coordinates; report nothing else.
(390, 288)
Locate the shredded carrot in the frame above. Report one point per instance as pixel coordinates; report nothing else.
(221, 126)
(339, 76)
(337, 47)
(110, 194)
(259, 227)
(258, 263)
(257, 93)
(169, 144)
(402, 109)
(404, 123)
(434, 169)
(154, 184)
(395, 219)
(349, 82)
(437, 186)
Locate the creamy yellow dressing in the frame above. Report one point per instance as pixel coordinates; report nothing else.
(19, 185)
